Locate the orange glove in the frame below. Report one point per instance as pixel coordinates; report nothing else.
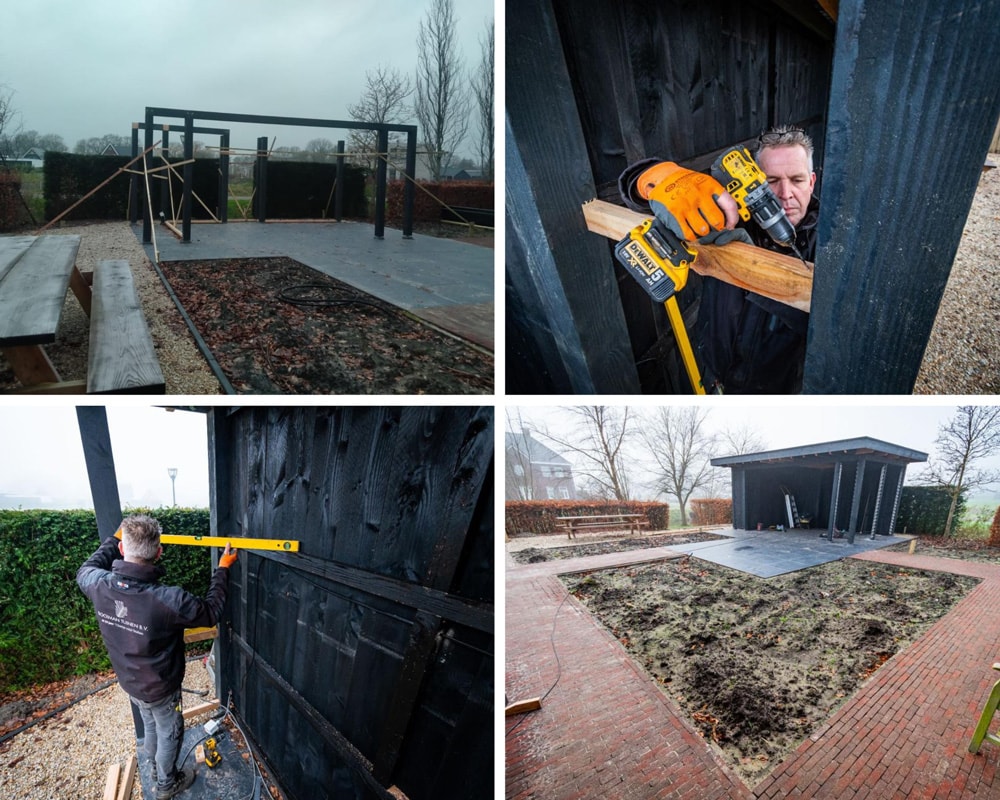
(228, 556)
(118, 534)
(687, 202)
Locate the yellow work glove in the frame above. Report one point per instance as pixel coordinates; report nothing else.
(685, 201)
(228, 556)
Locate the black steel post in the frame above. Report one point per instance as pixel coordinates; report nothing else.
(224, 178)
(338, 192)
(859, 485)
(165, 184)
(261, 179)
(133, 184)
(99, 458)
(408, 182)
(147, 218)
(382, 146)
(188, 177)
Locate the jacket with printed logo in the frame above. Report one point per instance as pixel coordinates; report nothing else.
(143, 622)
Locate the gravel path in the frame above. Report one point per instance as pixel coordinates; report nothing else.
(68, 755)
(963, 353)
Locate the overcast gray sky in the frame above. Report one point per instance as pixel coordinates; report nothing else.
(81, 70)
(798, 421)
(42, 464)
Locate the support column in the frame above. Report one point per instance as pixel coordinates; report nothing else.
(895, 503)
(338, 192)
(133, 184)
(165, 185)
(878, 501)
(859, 484)
(740, 521)
(147, 218)
(224, 178)
(188, 178)
(838, 470)
(382, 146)
(261, 193)
(95, 437)
(408, 182)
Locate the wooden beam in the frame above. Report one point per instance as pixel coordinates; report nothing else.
(111, 782)
(128, 777)
(198, 710)
(200, 634)
(779, 277)
(523, 706)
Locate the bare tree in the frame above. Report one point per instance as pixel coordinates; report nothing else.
(442, 107)
(10, 125)
(482, 90)
(740, 440)
(681, 446)
(600, 441)
(383, 101)
(970, 436)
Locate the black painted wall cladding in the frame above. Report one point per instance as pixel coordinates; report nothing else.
(364, 661)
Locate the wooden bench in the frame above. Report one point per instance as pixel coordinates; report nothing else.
(603, 522)
(122, 355)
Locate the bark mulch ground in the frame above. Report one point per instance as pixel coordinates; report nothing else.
(278, 327)
(533, 555)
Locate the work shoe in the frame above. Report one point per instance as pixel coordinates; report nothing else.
(182, 782)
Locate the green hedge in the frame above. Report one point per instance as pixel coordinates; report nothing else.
(924, 510)
(70, 176)
(48, 631)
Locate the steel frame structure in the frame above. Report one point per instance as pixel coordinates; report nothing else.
(382, 130)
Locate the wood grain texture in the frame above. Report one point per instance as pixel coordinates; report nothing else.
(33, 290)
(782, 278)
(122, 356)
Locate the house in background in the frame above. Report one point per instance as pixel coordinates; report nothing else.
(534, 472)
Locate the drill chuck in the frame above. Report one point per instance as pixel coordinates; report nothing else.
(768, 213)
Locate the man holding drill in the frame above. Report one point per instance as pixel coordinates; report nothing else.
(748, 344)
(142, 623)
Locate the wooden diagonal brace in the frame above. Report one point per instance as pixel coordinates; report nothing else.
(782, 278)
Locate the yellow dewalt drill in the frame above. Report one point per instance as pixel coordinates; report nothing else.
(746, 182)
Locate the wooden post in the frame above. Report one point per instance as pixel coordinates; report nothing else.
(914, 100)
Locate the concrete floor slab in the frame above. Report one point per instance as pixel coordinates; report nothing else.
(769, 553)
(433, 278)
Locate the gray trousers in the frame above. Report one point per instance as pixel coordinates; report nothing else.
(164, 724)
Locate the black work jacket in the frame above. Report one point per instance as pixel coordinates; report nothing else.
(143, 622)
(751, 344)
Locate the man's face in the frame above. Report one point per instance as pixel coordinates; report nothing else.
(789, 176)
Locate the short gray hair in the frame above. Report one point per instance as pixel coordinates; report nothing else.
(141, 537)
(784, 136)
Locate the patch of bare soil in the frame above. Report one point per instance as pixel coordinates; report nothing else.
(965, 549)
(533, 555)
(758, 665)
(278, 327)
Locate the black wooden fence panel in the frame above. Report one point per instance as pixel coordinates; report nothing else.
(365, 660)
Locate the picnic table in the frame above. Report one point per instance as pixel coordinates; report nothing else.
(603, 522)
(35, 273)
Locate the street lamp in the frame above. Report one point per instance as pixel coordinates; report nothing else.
(172, 472)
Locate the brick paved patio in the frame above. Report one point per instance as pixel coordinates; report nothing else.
(607, 731)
